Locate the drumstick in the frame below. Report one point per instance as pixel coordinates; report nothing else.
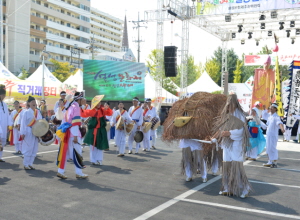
(213, 141)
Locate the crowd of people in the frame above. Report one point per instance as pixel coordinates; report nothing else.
(76, 125)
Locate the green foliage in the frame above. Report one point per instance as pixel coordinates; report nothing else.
(62, 70)
(217, 92)
(24, 74)
(238, 72)
(193, 72)
(213, 69)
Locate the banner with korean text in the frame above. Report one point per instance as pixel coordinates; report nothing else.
(215, 7)
(264, 87)
(259, 60)
(118, 81)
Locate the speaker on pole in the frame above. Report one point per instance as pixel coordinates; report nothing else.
(170, 61)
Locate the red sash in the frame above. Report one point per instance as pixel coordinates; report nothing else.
(16, 115)
(34, 119)
(133, 111)
(119, 115)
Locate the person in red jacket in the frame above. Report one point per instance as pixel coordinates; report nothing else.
(96, 135)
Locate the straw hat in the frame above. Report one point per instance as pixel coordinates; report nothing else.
(96, 100)
(40, 128)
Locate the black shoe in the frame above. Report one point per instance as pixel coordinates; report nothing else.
(273, 165)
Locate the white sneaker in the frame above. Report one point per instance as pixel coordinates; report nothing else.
(100, 162)
(244, 195)
(204, 180)
(214, 174)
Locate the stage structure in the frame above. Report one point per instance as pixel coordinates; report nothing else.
(238, 20)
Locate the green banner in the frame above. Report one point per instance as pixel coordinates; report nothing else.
(118, 81)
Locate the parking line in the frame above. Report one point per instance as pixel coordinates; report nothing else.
(44, 152)
(274, 168)
(175, 200)
(274, 184)
(242, 209)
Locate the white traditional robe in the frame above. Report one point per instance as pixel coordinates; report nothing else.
(148, 115)
(272, 136)
(5, 121)
(120, 134)
(136, 115)
(30, 142)
(153, 133)
(16, 133)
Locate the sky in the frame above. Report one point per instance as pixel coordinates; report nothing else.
(201, 44)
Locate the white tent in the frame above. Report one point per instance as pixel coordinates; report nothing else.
(203, 84)
(49, 77)
(75, 80)
(150, 91)
(5, 74)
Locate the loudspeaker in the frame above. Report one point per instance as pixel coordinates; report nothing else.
(170, 61)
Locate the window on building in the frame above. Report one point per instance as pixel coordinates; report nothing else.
(68, 59)
(68, 13)
(38, 27)
(36, 65)
(61, 57)
(68, 36)
(38, 2)
(62, 46)
(46, 5)
(45, 29)
(45, 42)
(62, 11)
(32, 65)
(38, 15)
(46, 17)
(62, 34)
(68, 25)
(62, 23)
(68, 47)
(32, 26)
(37, 40)
(32, 52)
(57, 45)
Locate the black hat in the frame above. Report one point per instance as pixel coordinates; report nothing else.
(2, 89)
(135, 99)
(16, 102)
(30, 98)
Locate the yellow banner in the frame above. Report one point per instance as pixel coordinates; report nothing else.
(280, 111)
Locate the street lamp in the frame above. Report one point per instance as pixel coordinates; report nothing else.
(44, 56)
(76, 51)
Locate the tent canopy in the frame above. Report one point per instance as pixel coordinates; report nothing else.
(5, 74)
(49, 77)
(150, 91)
(203, 84)
(75, 80)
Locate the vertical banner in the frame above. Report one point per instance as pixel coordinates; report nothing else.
(264, 87)
(280, 111)
(294, 97)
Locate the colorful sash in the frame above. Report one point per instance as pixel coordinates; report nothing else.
(34, 119)
(119, 115)
(63, 108)
(145, 111)
(133, 111)
(76, 121)
(16, 115)
(11, 135)
(63, 133)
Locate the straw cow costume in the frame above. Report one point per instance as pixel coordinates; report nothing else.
(29, 141)
(96, 135)
(70, 135)
(190, 121)
(5, 120)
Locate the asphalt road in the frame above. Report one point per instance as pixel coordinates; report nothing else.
(144, 186)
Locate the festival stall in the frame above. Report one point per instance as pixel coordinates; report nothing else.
(203, 84)
(20, 89)
(167, 97)
(73, 83)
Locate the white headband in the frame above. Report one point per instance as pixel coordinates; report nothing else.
(63, 93)
(135, 100)
(274, 105)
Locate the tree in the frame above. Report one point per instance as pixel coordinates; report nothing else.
(232, 58)
(193, 72)
(238, 72)
(212, 67)
(152, 64)
(24, 74)
(62, 70)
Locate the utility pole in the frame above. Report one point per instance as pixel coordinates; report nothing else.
(92, 46)
(138, 26)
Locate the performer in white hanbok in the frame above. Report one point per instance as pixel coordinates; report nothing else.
(120, 137)
(5, 120)
(136, 114)
(297, 140)
(108, 119)
(65, 102)
(192, 161)
(231, 129)
(16, 130)
(153, 133)
(148, 114)
(273, 124)
(30, 142)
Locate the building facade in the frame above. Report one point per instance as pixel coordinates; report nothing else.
(64, 28)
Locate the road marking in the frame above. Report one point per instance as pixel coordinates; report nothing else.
(9, 151)
(274, 168)
(283, 158)
(275, 184)
(45, 152)
(242, 209)
(176, 199)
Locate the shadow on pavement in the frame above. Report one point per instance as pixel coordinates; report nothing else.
(4, 180)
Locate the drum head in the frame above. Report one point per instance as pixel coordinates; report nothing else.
(147, 127)
(138, 136)
(40, 128)
(108, 126)
(120, 123)
(129, 127)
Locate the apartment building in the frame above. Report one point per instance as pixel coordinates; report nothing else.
(64, 28)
